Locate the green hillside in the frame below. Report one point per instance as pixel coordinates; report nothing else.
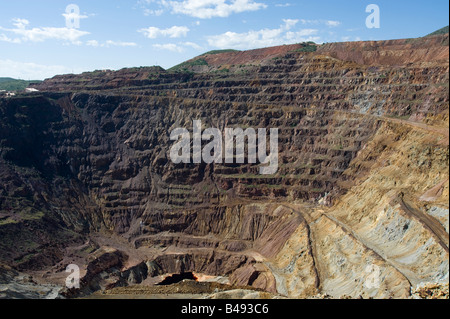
(10, 84)
(444, 30)
(219, 52)
(185, 66)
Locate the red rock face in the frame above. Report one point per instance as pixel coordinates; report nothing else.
(251, 56)
(88, 157)
(391, 53)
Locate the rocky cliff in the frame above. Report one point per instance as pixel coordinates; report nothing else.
(358, 207)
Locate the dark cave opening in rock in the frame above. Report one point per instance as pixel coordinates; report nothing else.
(176, 278)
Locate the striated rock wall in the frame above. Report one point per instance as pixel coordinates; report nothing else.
(362, 180)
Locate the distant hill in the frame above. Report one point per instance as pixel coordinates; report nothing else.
(230, 60)
(444, 30)
(10, 84)
(219, 52)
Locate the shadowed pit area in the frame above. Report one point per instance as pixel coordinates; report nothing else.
(176, 278)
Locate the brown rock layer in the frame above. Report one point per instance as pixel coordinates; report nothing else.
(362, 139)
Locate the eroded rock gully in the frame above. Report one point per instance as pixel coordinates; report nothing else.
(361, 190)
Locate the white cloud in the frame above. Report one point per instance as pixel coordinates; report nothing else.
(110, 43)
(329, 23)
(143, 4)
(172, 32)
(32, 71)
(283, 5)
(192, 45)
(206, 9)
(304, 21)
(202, 9)
(169, 47)
(20, 23)
(350, 39)
(179, 48)
(263, 38)
(332, 23)
(92, 43)
(23, 34)
(157, 12)
(289, 23)
(4, 38)
(74, 16)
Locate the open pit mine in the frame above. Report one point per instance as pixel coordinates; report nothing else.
(358, 207)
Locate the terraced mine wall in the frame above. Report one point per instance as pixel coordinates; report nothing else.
(89, 154)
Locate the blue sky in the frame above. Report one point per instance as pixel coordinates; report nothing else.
(39, 39)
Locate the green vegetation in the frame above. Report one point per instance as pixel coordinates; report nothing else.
(7, 221)
(308, 48)
(153, 69)
(186, 65)
(10, 84)
(219, 52)
(444, 30)
(28, 214)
